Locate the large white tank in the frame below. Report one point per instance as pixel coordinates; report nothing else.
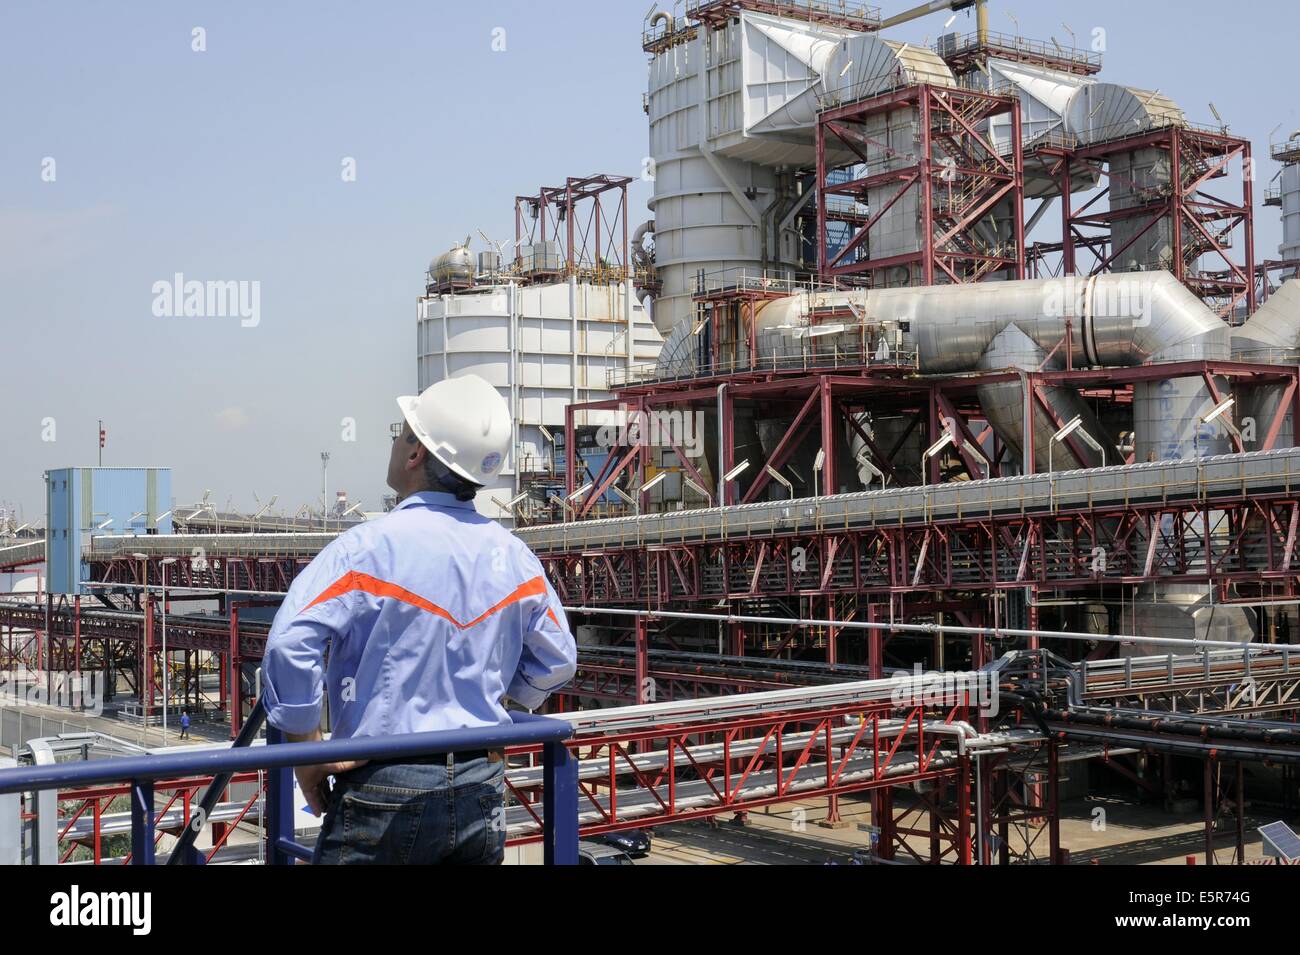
(544, 347)
(720, 198)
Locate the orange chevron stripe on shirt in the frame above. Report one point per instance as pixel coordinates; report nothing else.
(355, 580)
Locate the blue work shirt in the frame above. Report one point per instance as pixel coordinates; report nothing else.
(431, 614)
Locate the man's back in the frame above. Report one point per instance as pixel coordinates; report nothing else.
(431, 614)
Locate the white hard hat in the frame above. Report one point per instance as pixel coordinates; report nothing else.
(465, 424)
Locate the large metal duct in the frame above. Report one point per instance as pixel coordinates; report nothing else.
(1184, 611)
(1112, 320)
(1003, 404)
(1098, 112)
(1271, 336)
(1044, 96)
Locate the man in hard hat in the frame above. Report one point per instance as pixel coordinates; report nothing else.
(432, 616)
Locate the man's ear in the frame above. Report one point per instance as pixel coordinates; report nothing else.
(416, 458)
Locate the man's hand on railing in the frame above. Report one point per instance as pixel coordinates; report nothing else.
(311, 779)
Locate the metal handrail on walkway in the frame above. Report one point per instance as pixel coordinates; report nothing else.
(559, 799)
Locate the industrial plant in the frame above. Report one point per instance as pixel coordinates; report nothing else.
(918, 475)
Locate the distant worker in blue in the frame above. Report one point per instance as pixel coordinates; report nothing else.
(185, 724)
(430, 617)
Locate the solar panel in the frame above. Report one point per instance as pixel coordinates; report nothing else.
(1280, 841)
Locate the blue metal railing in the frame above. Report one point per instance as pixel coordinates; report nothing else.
(559, 777)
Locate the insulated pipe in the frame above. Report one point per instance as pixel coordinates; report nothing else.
(667, 19)
(924, 9)
(1004, 405)
(1111, 320)
(639, 254)
(1271, 336)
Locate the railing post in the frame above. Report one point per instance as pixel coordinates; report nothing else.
(559, 805)
(279, 805)
(11, 822)
(142, 824)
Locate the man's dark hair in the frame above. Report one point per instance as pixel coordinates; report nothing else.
(441, 478)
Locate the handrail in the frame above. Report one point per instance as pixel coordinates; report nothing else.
(560, 790)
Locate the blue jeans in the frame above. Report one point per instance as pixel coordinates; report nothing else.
(416, 814)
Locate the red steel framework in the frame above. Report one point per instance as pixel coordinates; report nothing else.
(819, 396)
(587, 216)
(958, 175)
(1203, 224)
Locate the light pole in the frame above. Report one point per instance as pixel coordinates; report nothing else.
(694, 486)
(864, 458)
(1219, 413)
(144, 610)
(780, 478)
(507, 506)
(818, 463)
(930, 452)
(1071, 426)
(163, 563)
(730, 476)
(647, 486)
(324, 490)
(626, 498)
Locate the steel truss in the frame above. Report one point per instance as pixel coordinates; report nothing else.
(957, 173)
(1203, 224)
(593, 235)
(1243, 541)
(696, 770)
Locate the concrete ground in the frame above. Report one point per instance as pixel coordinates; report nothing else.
(29, 721)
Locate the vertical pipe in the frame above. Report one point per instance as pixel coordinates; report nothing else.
(1248, 197)
(519, 232)
(145, 682)
(642, 692)
(1067, 213)
(1027, 452)
(627, 252)
(236, 701)
(1176, 199)
(1018, 194)
(569, 456)
(823, 267)
(724, 447)
(76, 636)
(570, 259)
(927, 188)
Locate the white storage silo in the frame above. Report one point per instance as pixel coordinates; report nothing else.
(544, 347)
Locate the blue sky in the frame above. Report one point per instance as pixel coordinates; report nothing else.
(225, 164)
